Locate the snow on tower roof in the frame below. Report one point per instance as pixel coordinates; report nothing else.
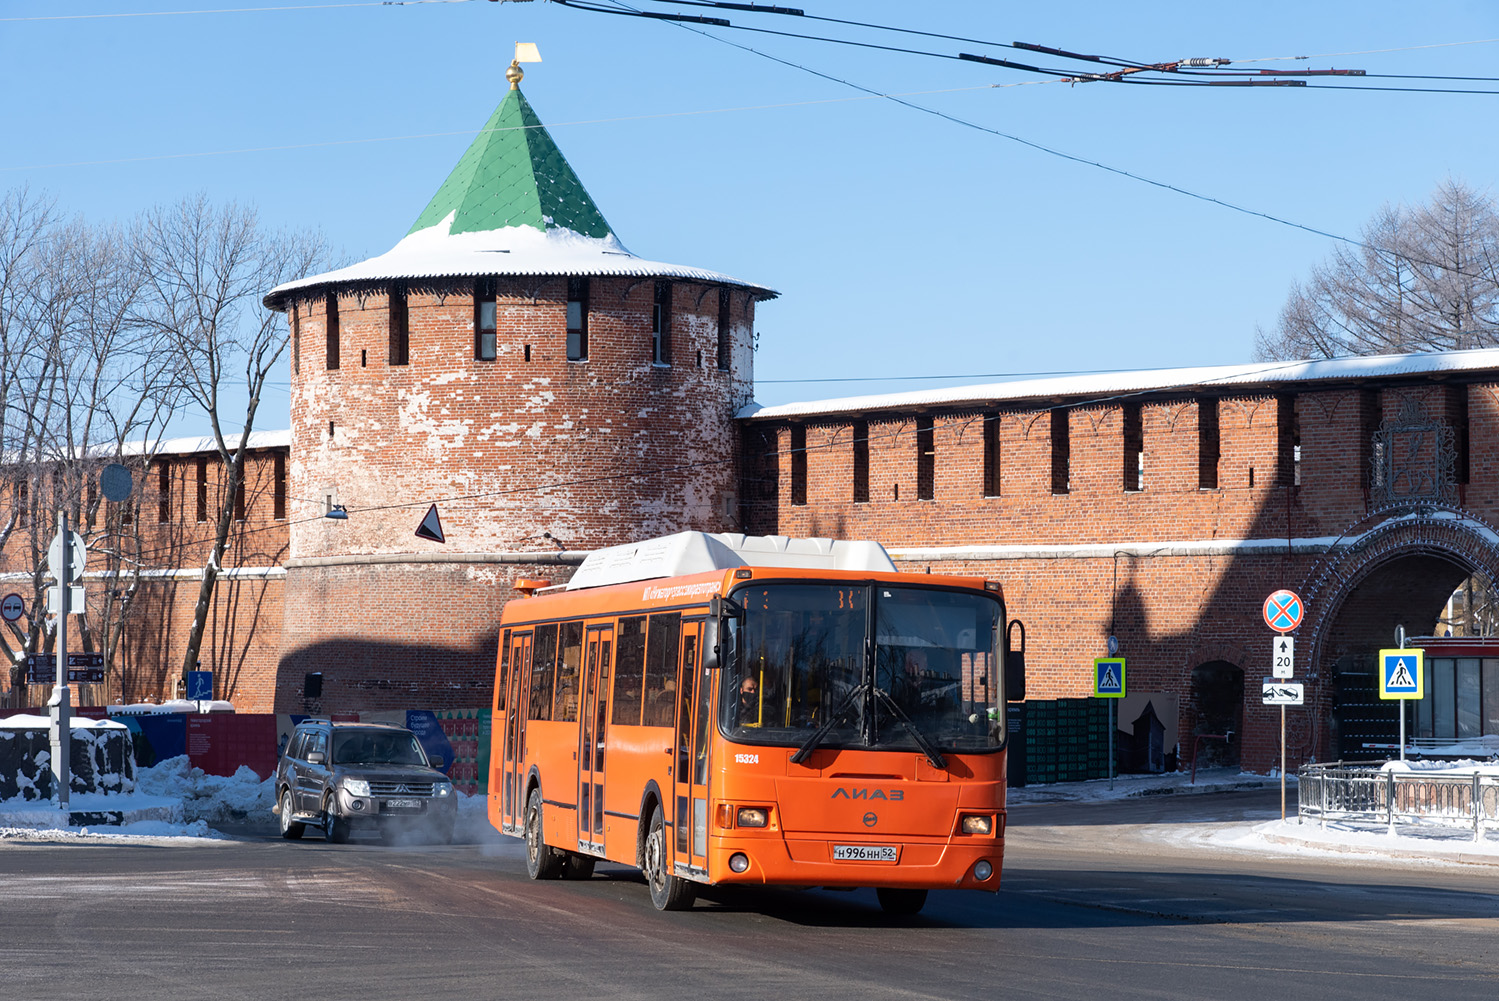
(1112, 385)
(511, 206)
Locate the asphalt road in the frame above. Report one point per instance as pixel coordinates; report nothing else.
(1115, 900)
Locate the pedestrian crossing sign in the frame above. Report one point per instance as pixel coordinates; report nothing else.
(1108, 678)
(1400, 674)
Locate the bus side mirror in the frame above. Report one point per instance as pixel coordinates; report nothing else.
(711, 631)
(719, 609)
(1014, 663)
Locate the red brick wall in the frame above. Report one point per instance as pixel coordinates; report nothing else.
(595, 453)
(241, 641)
(1174, 606)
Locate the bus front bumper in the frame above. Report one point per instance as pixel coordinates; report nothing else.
(807, 861)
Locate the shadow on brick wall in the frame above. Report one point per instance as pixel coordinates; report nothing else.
(359, 675)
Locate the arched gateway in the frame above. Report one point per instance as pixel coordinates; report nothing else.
(1397, 568)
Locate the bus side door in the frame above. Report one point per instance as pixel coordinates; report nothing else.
(517, 702)
(593, 724)
(690, 769)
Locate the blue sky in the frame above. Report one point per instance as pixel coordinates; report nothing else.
(903, 244)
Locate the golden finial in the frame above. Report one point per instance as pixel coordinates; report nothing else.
(525, 52)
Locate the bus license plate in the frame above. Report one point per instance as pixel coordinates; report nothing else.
(403, 804)
(866, 853)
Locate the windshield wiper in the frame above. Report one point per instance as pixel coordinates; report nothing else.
(927, 747)
(810, 744)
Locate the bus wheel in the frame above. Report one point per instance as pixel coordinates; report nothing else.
(577, 866)
(542, 860)
(668, 892)
(901, 902)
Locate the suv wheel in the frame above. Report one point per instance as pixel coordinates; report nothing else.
(542, 860)
(290, 829)
(335, 828)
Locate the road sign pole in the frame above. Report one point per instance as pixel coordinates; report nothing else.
(1282, 764)
(1111, 744)
(1400, 644)
(59, 707)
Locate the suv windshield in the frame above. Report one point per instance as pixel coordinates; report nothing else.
(361, 747)
(858, 666)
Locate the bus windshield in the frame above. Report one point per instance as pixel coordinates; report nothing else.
(859, 666)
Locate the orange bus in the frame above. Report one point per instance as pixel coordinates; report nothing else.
(755, 710)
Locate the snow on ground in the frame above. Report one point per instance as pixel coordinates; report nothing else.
(1427, 843)
(179, 802)
(175, 803)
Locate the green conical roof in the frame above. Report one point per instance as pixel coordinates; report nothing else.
(517, 208)
(513, 175)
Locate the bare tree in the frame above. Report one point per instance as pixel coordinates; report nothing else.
(1422, 279)
(82, 384)
(205, 270)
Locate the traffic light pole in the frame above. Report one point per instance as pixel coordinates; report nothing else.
(59, 706)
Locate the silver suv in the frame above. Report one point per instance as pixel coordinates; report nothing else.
(337, 776)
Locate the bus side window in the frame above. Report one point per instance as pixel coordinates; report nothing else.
(543, 664)
(566, 708)
(661, 669)
(629, 671)
(503, 681)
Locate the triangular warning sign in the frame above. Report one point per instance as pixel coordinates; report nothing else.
(431, 526)
(1400, 677)
(1108, 682)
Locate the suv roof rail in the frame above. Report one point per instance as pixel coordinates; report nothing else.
(315, 719)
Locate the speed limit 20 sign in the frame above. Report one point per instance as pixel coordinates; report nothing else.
(1283, 657)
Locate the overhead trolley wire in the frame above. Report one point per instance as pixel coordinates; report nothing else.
(1041, 147)
(1192, 68)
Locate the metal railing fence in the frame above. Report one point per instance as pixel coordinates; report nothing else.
(1343, 791)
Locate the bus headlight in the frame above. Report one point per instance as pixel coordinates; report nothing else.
(752, 816)
(982, 870)
(739, 861)
(976, 823)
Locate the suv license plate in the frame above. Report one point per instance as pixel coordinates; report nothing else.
(866, 853)
(403, 804)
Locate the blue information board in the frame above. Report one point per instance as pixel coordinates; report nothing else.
(200, 686)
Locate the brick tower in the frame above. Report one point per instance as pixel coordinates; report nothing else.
(510, 362)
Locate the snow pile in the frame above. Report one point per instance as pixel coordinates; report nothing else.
(27, 721)
(1459, 768)
(213, 799)
(171, 706)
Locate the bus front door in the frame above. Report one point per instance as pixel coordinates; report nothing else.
(593, 723)
(517, 703)
(690, 770)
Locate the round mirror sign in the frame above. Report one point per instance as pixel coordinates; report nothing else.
(115, 481)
